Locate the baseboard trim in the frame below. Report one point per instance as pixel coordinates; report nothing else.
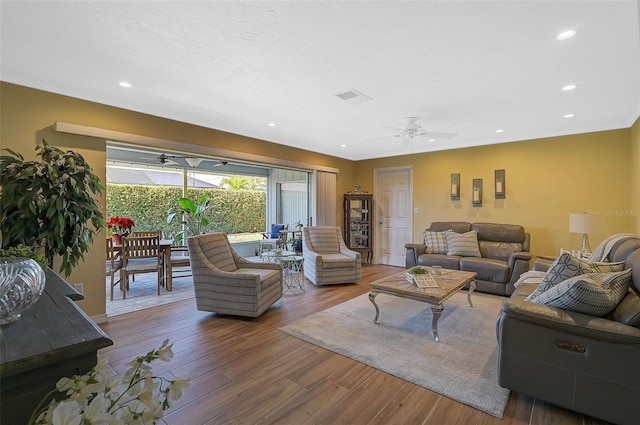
(101, 318)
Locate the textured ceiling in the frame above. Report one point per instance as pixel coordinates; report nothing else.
(468, 68)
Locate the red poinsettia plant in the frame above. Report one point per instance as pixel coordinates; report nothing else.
(120, 225)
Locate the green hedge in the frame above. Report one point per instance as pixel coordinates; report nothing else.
(231, 211)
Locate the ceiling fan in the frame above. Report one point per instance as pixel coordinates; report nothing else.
(192, 161)
(412, 129)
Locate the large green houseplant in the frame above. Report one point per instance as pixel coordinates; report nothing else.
(191, 215)
(50, 204)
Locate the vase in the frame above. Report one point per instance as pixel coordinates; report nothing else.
(22, 281)
(117, 238)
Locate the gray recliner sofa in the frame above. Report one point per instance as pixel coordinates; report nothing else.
(580, 362)
(504, 250)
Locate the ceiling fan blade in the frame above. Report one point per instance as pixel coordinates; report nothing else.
(381, 138)
(433, 135)
(397, 129)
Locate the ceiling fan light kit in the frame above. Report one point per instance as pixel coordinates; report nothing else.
(413, 129)
(192, 161)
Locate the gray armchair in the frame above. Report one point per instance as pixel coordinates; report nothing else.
(226, 283)
(327, 260)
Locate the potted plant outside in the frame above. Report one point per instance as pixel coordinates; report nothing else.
(191, 216)
(119, 227)
(50, 204)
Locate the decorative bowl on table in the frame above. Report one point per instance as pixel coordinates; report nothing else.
(22, 281)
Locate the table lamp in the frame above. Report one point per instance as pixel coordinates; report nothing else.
(584, 223)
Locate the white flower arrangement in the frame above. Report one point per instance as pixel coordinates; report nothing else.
(136, 397)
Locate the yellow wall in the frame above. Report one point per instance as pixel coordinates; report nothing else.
(546, 179)
(26, 116)
(635, 176)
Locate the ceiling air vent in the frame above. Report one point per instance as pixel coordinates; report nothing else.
(354, 97)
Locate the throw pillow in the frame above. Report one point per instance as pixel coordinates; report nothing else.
(436, 242)
(596, 294)
(275, 230)
(463, 244)
(565, 267)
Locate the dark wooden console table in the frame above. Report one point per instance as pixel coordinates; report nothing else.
(52, 339)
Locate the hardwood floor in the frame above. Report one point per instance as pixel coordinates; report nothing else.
(246, 371)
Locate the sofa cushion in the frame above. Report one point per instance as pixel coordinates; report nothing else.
(595, 294)
(628, 311)
(499, 232)
(565, 267)
(324, 240)
(451, 262)
(266, 275)
(337, 261)
(456, 226)
(275, 230)
(463, 244)
(487, 268)
(498, 250)
(436, 242)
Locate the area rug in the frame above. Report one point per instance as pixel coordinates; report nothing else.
(461, 366)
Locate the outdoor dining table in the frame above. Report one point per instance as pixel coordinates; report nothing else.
(165, 249)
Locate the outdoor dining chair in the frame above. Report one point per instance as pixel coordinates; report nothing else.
(141, 255)
(113, 265)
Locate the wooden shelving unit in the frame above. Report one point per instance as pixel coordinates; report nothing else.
(358, 224)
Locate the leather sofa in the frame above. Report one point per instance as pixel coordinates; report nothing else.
(580, 362)
(504, 250)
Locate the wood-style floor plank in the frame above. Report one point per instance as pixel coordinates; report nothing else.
(246, 371)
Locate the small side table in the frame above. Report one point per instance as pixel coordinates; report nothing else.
(292, 274)
(275, 256)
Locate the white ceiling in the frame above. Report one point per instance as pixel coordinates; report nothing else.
(467, 67)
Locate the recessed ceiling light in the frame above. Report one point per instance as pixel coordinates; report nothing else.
(431, 140)
(272, 124)
(568, 116)
(343, 145)
(125, 84)
(565, 35)
(569, 87)
(499, 130)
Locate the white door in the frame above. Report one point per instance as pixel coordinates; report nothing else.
(394, 202)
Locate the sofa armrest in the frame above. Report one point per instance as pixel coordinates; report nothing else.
(571, 322)
(413, 251)
(349, 253)
(311, 256)
(517, 256)
(518, 263)
(542, 263)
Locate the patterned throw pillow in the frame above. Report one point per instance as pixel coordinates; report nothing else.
(565, 267)
(436, 242)
(463, 244)
(596, 294)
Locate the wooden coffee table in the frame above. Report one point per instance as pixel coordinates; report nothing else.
(449, 282)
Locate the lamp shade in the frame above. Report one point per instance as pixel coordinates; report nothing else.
(583, 222)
